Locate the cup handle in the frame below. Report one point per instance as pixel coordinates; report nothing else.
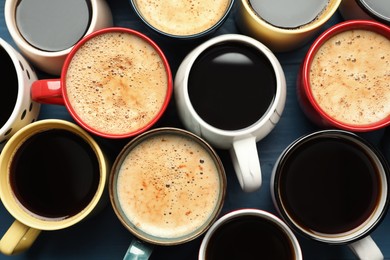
(246, 163)
(366, 249)
(18, 238)
(138, 250)
(47, 91)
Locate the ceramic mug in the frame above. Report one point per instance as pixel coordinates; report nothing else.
(344, 80)
(184, 19)
(332, 186)
(231, 90)
(116, 83)
(249, 234)
(167, 186)
(52, 176)
(17, 107)
(366, 10)
(284, 25)
(45, 32)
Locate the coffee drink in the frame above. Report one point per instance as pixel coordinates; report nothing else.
(329, 184)
(168, 186)
(225, 100)
(116, 82)
(249, 237)
(54, 174)
(53, 25)
(182, 17)
(289, 14)
(349, 77)
(10, 94)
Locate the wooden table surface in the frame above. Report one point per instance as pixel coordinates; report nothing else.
(104, 237)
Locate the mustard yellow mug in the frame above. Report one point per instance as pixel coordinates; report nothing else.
(52, 176)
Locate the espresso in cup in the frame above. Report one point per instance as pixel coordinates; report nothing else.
(378, 10)
(289, 14)
(182, 18)
(249, 234)
(332, 186)
(53, 25)
(214, 85)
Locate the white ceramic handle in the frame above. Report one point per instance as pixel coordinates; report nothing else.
(366, 249)
(246, 163)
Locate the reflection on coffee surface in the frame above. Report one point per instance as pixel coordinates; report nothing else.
(116, 83)
(168, 186)
(289, 14)
(221, 97)
(10, 89)
(329, 185)
(378, 8)
(350, 77)
(53, 25)
(54, 174)
(182, 17)
(249, 237)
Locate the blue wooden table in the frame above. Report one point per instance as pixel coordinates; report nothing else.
(103, 236)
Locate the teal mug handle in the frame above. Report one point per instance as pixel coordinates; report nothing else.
(138, 250)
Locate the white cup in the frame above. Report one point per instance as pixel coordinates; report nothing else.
(52, 61)
(23, 111)
(249, 233)
(241, 142)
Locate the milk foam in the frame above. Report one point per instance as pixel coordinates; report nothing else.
(116, 83)
(350, 77)
(168, 186)
(182, 17)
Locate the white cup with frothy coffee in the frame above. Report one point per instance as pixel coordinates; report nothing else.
(167, 187)
(344, 80)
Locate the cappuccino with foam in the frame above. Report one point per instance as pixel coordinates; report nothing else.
(350, 77)
(169, 186)
(117, 83)
(182, 17)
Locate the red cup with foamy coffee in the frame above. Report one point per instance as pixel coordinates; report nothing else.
(115, 83)
(344, 81)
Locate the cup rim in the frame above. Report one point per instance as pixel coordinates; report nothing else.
(9, 11)
(357, 233)
(251, 212)
(276, 67)
(179, 36)
(372, 13)
(114, 173)
(305, 71)
(9, 149)
(149, 41)
(304, 29)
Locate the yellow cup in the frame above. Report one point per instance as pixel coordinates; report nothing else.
(280, 39)
(90, 166)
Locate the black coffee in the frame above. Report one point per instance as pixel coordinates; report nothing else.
(53, 25)
(249, 237)
(288, 14)
(329, 185)
(10, 89)
(55, 174)
(231, 86)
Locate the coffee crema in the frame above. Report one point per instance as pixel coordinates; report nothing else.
(116, 83)
(350, 77)
(182, 17)
(289, 14)
(168, 186)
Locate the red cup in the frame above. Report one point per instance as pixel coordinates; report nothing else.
(112, 75)
(315, 110)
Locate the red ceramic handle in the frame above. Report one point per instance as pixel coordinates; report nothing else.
(47, 91)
